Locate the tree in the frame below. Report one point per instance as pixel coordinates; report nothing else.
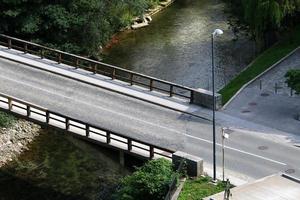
(293, 79)
(266, 17)
(77, 26)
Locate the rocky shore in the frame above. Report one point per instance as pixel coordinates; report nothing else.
(15, 139)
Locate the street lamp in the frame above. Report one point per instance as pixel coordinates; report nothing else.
(225, 135)
(214, 34)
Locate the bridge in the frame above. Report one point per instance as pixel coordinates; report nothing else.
(125, 110)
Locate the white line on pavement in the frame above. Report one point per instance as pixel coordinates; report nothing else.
(241, 151)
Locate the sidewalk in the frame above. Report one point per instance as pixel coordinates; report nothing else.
(279, 187)
(268, 100)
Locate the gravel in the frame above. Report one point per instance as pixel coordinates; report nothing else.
(15, 139)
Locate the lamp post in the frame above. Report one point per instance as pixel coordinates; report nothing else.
(225, 135)
(214, 34)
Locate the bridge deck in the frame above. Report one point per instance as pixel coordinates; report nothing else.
(141, 120)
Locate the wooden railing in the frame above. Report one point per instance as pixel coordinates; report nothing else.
(92, 132)
(133, 78)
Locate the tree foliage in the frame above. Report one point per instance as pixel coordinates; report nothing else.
(6, 120)
(293, 79)
(78, 26)
(266, 17)
(150, 182)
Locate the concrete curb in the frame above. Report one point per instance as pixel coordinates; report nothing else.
(178, 189)
(258, 76)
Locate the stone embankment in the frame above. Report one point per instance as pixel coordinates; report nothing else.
(15, 139)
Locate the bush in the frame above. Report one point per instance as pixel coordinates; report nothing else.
(149, 182)
(6, 120)
(293, 79)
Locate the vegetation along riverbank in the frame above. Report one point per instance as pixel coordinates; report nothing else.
(15, 136)
(274, 26)
(80, 27)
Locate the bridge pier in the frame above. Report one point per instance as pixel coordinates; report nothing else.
(122, 158)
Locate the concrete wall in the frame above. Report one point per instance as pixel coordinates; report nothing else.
(204, 98)
(193, 164)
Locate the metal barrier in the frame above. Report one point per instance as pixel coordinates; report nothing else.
(174, 182)
(84, 129)
(96, 67)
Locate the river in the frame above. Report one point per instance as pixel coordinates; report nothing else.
(58, 166)
(176, 46)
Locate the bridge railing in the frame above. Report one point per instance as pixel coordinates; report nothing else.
(86, 130)
(133, 78)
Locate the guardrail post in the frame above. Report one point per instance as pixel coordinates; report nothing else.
(87, 130)
(10, 105)
(129, 141)
(47, 116)
(42, 53)
(151, 84)
(9, 43)
(76, 63)
(67, 124)
(171, 90)
(59, 58)
(192, 97)
(151, 152)
(107, 137)
(131, 79)
(28, 110)
(260, 84)
(113, 73)
(25, 48)
(95, 68)
(276, 88)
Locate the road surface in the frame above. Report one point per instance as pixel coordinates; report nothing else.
(248, 156)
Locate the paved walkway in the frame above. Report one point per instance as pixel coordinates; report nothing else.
(275, 187)
(268, 107)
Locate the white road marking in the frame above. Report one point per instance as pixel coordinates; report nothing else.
(238, 150)
(155, 125)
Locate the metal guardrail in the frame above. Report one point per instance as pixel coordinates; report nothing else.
(57, 120)
(174, 182)
(96, 67)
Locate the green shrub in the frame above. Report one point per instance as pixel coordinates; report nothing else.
(149, 182)
(293, 79)
(6, 120)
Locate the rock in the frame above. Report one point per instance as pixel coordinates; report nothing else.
(15, 139)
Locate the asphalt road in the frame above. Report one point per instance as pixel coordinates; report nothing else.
(148, 122)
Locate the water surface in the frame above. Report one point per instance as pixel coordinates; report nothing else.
(60, 167)
(177, 45)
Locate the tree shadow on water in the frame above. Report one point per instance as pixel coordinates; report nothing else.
(16, 188)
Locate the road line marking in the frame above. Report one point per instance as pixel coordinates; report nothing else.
(241, 151)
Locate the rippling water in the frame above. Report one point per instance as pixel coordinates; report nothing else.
(60, 167)
(177, 45)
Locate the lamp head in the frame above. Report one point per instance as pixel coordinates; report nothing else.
(217, 32)
(226, 132)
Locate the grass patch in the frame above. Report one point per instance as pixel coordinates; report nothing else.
(6, 120)
(262, 62)
(200, 188)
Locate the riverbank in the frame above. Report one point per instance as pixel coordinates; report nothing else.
(262, 63)
(15, 139)
(149, 12)
(56, 166)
